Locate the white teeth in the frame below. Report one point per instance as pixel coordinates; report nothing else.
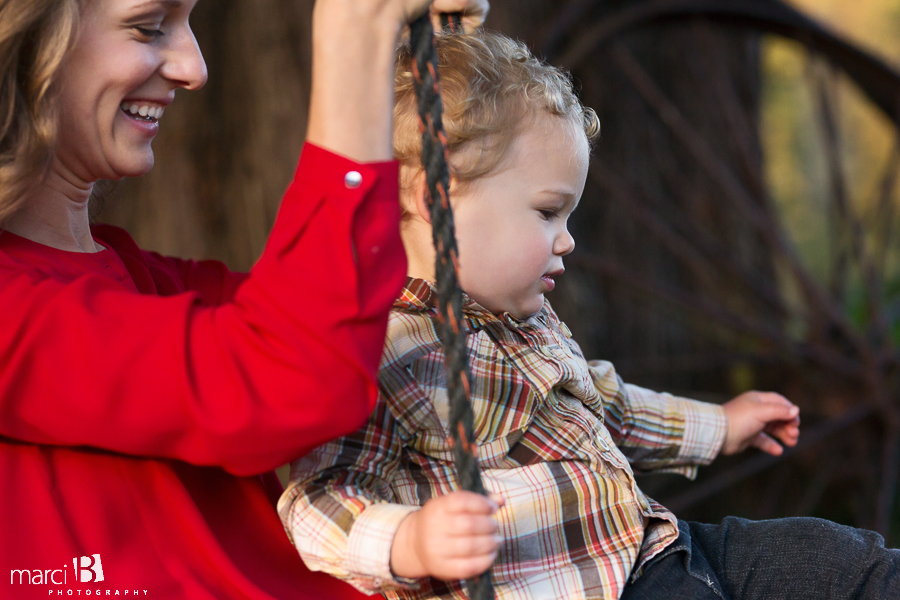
(152, 112)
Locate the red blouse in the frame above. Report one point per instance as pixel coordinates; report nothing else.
(140, 395)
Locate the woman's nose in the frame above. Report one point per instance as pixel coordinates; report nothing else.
(184, 64)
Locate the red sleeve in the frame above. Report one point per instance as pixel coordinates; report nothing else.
(213, 280)
(287, 364)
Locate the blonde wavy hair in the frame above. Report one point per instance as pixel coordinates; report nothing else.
(35, 37)
(490, 86)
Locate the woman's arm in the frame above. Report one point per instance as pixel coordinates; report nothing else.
(212, 279)
(353, 72)
(249, 385)
(290, 362)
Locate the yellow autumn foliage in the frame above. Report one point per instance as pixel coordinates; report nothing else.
(793, 136)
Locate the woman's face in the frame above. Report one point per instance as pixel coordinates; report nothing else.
(129, 58)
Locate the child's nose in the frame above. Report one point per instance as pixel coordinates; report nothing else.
(564, 244)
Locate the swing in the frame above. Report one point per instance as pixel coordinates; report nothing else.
(437, 176)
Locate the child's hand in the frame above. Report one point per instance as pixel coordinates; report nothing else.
(754, 418)
(452, 537)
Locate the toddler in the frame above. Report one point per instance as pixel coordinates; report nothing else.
(559, 438)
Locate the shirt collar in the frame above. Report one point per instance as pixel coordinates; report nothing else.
(420, 295)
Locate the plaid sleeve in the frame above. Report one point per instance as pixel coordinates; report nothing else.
(704, 432)
(338, 509)
(658, 431)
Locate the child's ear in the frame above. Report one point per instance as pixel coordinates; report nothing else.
(422, 197)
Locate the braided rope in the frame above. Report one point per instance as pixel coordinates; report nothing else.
(437, 175)
(451, 22)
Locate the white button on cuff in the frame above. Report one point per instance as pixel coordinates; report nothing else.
(353, 179)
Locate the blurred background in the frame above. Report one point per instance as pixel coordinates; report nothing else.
(738, 229)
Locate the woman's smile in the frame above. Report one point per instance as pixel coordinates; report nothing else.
(142, 111)
(143, 115)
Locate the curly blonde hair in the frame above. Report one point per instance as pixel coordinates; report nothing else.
(35, 37)
(490, 85)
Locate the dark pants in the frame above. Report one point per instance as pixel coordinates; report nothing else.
(790, 559)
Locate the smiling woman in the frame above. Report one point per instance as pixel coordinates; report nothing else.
(130, 59)
(51, 112)
(142, 396)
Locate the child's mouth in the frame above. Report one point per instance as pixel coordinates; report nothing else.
(549, 281)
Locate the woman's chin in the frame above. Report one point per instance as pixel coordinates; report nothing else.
(134, 165)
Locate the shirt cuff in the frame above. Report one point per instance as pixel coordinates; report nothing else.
(321, 167)
(705, 426)
(369, 544)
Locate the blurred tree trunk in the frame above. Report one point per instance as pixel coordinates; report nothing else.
(711, 77)
(644, 182)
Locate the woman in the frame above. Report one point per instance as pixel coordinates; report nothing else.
(140, 395)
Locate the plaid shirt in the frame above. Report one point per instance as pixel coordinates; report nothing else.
(558, 439)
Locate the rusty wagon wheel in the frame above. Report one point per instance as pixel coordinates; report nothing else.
(682, 230)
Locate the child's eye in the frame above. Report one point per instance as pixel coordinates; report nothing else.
(548, 214)
(148, 33)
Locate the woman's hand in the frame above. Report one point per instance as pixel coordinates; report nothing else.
(354, 46)
(756, 419)
(452, 537)
(473, 12)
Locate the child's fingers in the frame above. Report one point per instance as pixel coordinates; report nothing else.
(473, 545)
(775, 411)
(791, 412)
(768, 445)
(773, 398)
(464, 556)
(469, 503)
(788, 433)
(464, 568)
(471, 525)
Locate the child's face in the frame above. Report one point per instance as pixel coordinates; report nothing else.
(511, 225)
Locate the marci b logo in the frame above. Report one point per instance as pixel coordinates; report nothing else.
(90, 569)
